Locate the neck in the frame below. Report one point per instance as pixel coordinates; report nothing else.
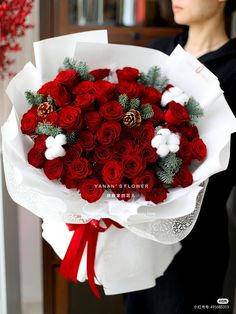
(206, 37)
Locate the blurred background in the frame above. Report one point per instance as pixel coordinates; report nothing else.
(29, 278)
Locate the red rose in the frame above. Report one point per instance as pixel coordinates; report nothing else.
(130, 89)
(184, 151)
(112, 172)
(183, 177)
(127, 74)
(104, 87)
(84, 87)
(190, 131)
(93, 120)
(148, 153)
(80, 168)
(68, 78)
(198, 149)
(109, 132)
(132, 165)
(57, 91)
(91, 189)
(69, 118)
(53, 169)
(29, 123)
(84, 101)
(100, 74)
(123, 191)
(158, 116)
(156, 195)
(144, 182)
(104, 91)
(40, 143)
(52, 118)
(69, 182)
(153, 95)
(73, 152)
(112, 111)
(87, 140)
(36, 158)
(102, 154)
(146, 132)
(176, 114)
(122, 148)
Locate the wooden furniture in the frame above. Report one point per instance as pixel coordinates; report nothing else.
(61, 296)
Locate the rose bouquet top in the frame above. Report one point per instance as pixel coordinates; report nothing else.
(137, 135)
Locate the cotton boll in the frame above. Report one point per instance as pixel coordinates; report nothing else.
(158, 140)
(163, 150)
(174, 94)
(49, 141)
(181, 99)
(166, 98)
(165, 132)
(173, 139)
(48, 155)
(60, 139)
(60, 151)
(173, 148)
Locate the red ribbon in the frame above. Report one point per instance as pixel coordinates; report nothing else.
(84, 234)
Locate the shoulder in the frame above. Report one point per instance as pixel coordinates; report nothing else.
(164, 44)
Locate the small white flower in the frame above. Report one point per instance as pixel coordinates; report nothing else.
(165, 142)
(54, 146)
(174, 94)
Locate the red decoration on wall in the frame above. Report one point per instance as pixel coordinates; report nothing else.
(13, 24)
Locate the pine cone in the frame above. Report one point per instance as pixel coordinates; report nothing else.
(132, 118)
(44, 109)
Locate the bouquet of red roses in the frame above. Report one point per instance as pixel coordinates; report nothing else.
(136, 135)
(114, 149)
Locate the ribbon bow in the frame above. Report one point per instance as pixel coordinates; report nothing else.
(84, 234)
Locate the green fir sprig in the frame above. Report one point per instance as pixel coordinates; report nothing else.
(154, 78)
(33, 98)
(167, 167)
(48, 129)
(80, 67)
(195, 111)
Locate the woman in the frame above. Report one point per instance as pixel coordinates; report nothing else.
(195, 277)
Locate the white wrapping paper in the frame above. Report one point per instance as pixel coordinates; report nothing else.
(126, 259)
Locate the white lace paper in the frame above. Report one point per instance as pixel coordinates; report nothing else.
(148, 227)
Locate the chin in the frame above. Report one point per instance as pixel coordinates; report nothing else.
(181, 20)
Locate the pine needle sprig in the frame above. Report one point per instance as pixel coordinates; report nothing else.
(71, 138)
(154, 78)
(80, 67)
(167, 167)
(134, 103)
(194, 109)
(124, 101)
(146, 112)
(48, 129)
(33, 98)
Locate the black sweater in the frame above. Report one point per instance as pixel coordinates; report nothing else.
(210, 235)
